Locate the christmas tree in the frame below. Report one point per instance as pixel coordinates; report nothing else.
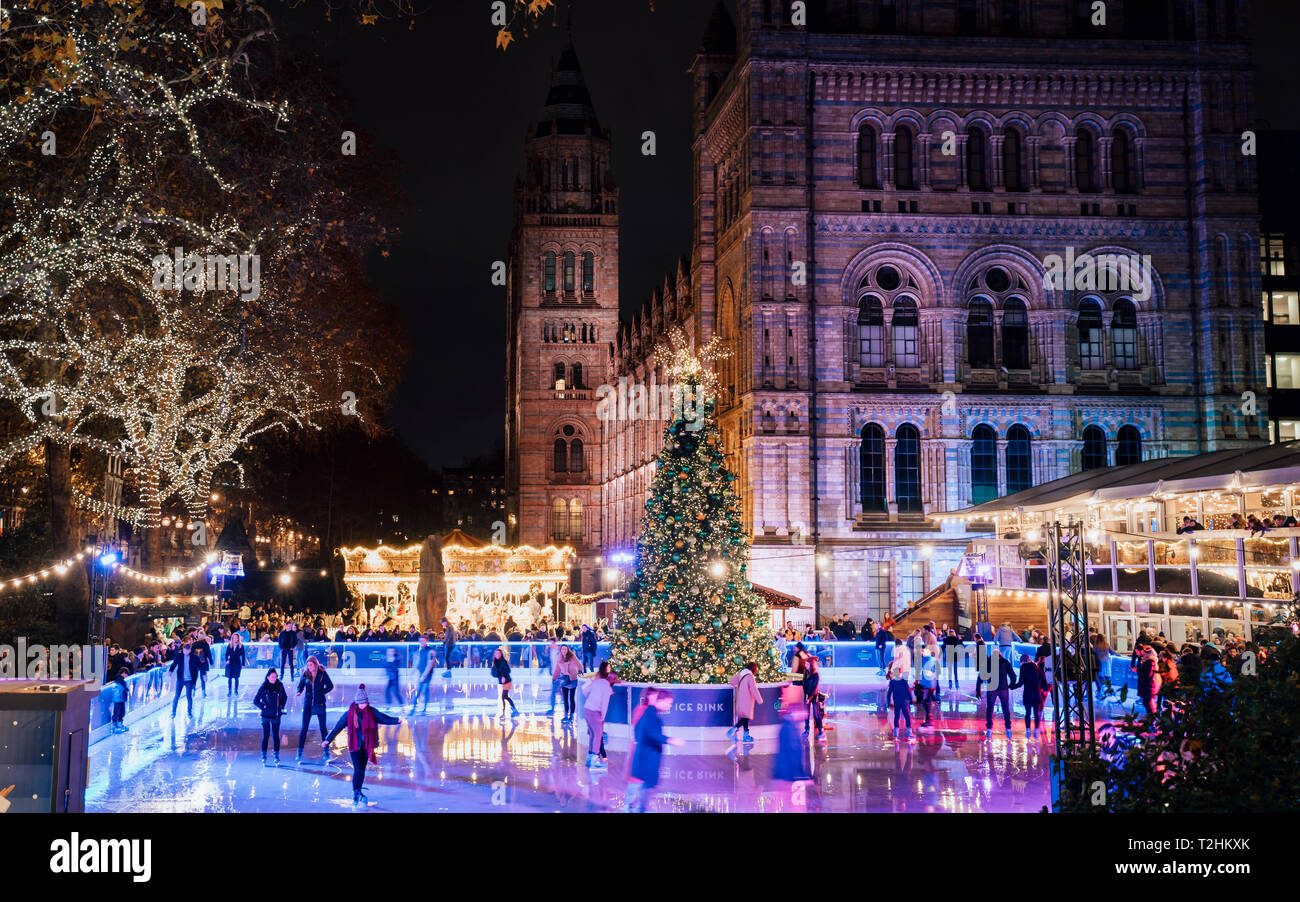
(691, 614)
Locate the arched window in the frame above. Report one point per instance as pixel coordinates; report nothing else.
(588, 272)
(1015, 335)
(1121, 163)
(1124, 335)
(1128, 448)
(550, 272)
(1020, 473)
(907, 470)
(568, 271)
(873, 469)
(1012, 173)
(867, 157)
(575, 456)
(904, 152)
(557, 374)
(561, 462)
(1085, 161)
(906, 352)
(983, 464)
(977, 160)
(559, 521)
(871, 331)
(1091, 335)
(577, 376)
(979, 334)
(1094, 448)
(575, 521)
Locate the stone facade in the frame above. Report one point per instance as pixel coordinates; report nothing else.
(880, 199)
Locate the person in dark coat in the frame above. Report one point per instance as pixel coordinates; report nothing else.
(203, 654)
(362, 723)
(883, 638)
(271, 700)
(500, 668)
(288, 641)
(650, 739)
(236, 661)
(791, 765)
(588, 649)
(448, 645)
(999, 690)
(1035, 687)
(186, 668)
(317, 683)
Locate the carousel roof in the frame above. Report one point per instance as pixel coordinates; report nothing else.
(462, 540)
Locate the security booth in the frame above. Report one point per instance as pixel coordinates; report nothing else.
(44, 737)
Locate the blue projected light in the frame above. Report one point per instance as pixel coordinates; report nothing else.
(108, 559)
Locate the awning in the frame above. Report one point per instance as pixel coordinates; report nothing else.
(1236, 470)
(775, 599)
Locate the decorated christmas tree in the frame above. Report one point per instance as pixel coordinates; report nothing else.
(691, 615)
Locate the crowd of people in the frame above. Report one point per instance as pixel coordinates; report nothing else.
(1257, 525)
(914, 666)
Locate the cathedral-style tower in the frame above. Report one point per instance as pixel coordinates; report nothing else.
(563, 320)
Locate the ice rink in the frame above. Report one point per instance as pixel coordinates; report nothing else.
(461, 756)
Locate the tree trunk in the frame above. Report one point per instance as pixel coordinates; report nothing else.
(72, 592)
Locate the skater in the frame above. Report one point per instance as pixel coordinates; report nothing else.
(981, 652)
(999, 691)
(1035, 687)
(566, 671)
(899, 693)
(791, 765)
(203, 656)
(318, 685)
(650, 738)
(288, 641)
(422, 664)
(393, 690)
(186, 668)
(448, 645)
(588, 649)
(808, 665)
(929, 681)
(500, 669)
(362, 723)
(236, 661)
(595, 704)
(747, 697)
(951, 657)
(883, 637)
(553, 662)
(1148, 687)
(116, 693)
(271, 700)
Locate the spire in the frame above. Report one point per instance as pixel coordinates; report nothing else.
(568, 102)
(720, 34)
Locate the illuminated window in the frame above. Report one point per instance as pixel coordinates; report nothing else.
(911, 583)
(906, 352)
(1285, 308)
(588, 273)
(871, 332)
(1091, 335)
(1287, 367)
(1124, 335)
(568, 271)
(1273, 262)
(550, 272)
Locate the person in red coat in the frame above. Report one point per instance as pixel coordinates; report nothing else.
(362, 723)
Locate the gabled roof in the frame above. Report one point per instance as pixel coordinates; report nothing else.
(568, 109)
(720, 34)
(1265, 466)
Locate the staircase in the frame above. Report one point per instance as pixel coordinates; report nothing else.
(940, 604)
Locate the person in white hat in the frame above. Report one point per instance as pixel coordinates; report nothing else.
(362, 723)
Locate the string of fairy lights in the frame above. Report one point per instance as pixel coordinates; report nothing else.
(62, 567)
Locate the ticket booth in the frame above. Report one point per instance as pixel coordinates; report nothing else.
(44, 737)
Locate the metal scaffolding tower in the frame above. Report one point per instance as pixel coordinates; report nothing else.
(1072, 672)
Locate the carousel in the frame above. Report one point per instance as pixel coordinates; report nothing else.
(491, 584)
(486, 585)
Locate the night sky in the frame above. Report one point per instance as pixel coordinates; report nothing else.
(453, 110)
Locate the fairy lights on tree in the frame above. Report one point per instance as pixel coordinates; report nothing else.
(164, 137)
(692, 615)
